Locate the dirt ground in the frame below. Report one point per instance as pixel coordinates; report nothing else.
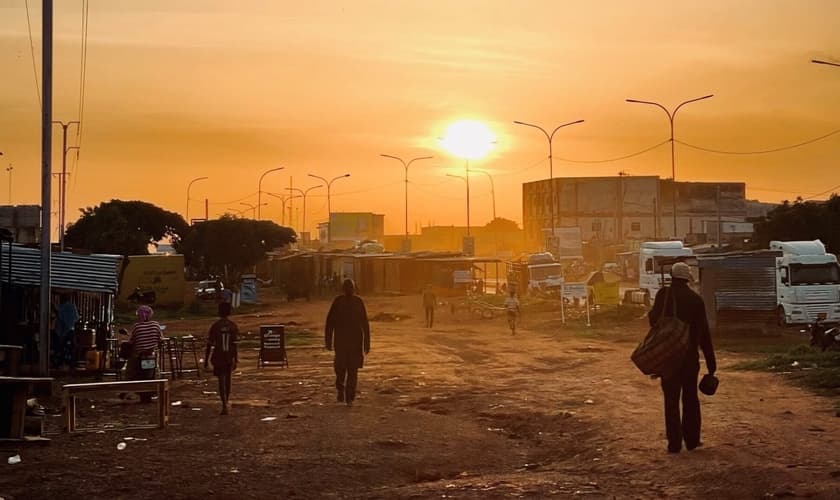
(463, 410)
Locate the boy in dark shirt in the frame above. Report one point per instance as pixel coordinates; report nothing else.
(222, 342)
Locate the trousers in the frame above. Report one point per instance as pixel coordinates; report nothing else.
(346, 379)
(430, 316)
(682, 385)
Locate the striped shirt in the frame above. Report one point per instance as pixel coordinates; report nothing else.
(146, 336)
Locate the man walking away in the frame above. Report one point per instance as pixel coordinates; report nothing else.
(429, 303)
(347, 329)
(691, 310)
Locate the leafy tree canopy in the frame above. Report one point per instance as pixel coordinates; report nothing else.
(230, 245)
(802, 220)
(501, 225)
(124, 228)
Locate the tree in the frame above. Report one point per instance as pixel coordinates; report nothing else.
(124, 228)
(230, 245)
(802, 220)
(502, 225)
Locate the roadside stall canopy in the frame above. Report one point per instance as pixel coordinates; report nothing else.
(98, 273)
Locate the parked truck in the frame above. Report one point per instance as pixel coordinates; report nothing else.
(537, 274)
(807, 283)
(655, 259)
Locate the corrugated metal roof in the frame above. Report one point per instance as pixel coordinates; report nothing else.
(741, 281)
(89, 273)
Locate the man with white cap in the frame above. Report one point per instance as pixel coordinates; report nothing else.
(683, 383)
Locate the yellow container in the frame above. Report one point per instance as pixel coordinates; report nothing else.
(93, 358)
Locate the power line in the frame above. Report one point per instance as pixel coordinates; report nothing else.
(832, 190)
(82, 71)
(764, 151)
(618, 158)
(233, 201)
(32, 51)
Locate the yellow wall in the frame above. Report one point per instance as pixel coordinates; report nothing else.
(162, 273)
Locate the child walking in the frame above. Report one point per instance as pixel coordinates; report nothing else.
(222, 342)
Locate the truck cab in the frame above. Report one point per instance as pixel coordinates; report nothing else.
(545, 274)
(655, 259)
(807, 283)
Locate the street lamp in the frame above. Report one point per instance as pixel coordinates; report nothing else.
(406, 165)
(259, 190)
(303, 193)
(550, 138)
(827, 63)
(9, 169)
(328, 183)
(283, 199)
(492, 189)
(468, 140)
(253, 208)
(467, 182)
(671, 116)
(63, 184)
(189, 186)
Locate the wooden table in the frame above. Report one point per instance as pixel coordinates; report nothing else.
(13, 394)
(11, 354)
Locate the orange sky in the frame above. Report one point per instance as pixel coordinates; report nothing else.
(230, 89)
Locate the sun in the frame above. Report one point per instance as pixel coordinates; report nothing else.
(468, 139)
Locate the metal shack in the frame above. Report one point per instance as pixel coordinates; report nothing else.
(739, 289)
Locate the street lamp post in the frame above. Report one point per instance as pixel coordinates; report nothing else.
(283, 199)
(827, 63)
(405, 166)
(550, 138)
(671, 115)
(252, 208)
(492, 189)
(9, 169)
(467, 182)
(259, 190)
(328, 183)
(63, 184)
(189, 186)
(303, 193)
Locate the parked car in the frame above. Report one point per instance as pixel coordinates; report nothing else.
(209, 289)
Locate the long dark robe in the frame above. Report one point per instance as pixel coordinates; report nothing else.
(348, 331)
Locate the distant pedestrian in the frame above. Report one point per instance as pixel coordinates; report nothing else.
(691, 310)
(513, 310)
(348, 331)
(223, 353)
(429, 304)
(65, 326)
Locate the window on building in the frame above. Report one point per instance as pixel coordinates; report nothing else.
(635, 226)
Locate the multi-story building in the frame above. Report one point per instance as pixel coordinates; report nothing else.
(621, 208)
(349, 227)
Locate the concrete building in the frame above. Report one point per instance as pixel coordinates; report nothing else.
(621, 208)
(349, 227)
(23, 221)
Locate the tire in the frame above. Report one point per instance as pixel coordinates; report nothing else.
(780, 317)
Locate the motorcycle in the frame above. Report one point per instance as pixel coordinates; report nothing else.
(825, 337)
(148, 365)
(139, 296)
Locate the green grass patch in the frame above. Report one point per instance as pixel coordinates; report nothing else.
(803, 365)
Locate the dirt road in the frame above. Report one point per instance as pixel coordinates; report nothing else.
(460, 411)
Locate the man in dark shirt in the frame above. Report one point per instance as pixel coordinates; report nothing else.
(691, 310)
(222, 343)
(347, 329)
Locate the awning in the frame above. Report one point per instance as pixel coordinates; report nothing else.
(88, 273)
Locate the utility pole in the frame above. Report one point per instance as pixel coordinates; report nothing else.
(46, 185)
(62, 200)
(259, 191)
(405, 166)
(327, 183)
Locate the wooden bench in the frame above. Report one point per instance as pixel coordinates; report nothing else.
(13, 394)
(160, 386)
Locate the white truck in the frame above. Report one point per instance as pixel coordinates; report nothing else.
(655, 259)
(807, 283)
(545, 274)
